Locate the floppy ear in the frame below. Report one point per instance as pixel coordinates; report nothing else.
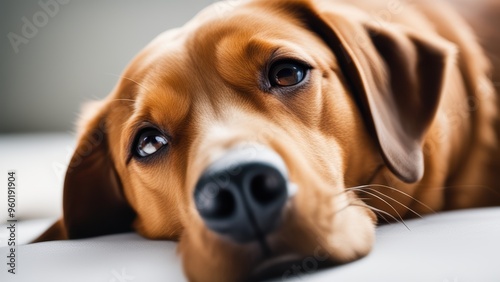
(93, 202)
(396, 76)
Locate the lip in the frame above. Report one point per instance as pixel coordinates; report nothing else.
(274, 267)
(280, 266)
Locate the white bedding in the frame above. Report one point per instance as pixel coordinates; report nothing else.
(448, 247)
(457, 246)
(40, 161)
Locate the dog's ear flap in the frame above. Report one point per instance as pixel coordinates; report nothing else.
(403, 104)
(93, 202)
(396, 77)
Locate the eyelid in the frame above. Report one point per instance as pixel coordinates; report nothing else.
(281, 54)
(289, 60)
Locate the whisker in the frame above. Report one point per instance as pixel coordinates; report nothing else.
(126, 100)
(379, 213)
(391, 198)
(343, 208)
(346, 206)
(440, 188)
(395, 190)
(387, 203)
(129, 79)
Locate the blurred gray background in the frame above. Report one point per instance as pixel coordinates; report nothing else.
(76, 54)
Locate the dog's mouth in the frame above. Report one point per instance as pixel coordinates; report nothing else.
(254, 205)
(279, 260)
(286, 266)
(274, 267)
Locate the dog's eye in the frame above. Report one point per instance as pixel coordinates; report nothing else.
(286, 74)
(149, 142)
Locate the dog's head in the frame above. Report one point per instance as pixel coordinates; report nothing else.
(241, 133)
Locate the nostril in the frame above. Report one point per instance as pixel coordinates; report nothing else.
(215, 203)
(243, 199)
(267, 187)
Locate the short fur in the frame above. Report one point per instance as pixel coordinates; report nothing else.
(398, 117)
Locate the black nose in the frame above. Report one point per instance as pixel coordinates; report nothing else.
(242, 194)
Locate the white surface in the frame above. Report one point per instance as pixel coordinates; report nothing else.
(26, 230)
(448, 247)
(455, 246)
(458, 246)
(122, 257)
(40, 161)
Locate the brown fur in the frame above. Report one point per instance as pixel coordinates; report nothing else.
(400, 95)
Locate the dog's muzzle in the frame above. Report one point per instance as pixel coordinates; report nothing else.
(242, 194)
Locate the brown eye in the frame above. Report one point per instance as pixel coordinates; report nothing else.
(286, 74)
(149, 142)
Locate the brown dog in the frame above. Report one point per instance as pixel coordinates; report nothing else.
(367, 107)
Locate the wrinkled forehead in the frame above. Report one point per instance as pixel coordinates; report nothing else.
(227, 32)
(218, 48)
